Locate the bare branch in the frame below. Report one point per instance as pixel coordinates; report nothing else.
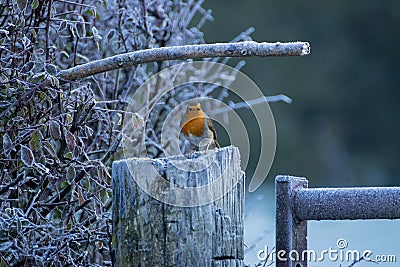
(249, 103)
(241, 49)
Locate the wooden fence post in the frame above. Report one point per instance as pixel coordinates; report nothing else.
(150, 232)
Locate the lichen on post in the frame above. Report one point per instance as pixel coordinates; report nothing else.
(162, 217)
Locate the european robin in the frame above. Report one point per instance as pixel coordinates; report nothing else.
(198, 128)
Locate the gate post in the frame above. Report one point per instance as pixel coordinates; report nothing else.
(291, 233)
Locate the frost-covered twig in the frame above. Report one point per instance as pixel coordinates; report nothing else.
(241, 49)
(363, 258)
(249, 103)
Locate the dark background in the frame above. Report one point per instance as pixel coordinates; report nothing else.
(342, 128)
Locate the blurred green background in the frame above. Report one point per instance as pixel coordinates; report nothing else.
(342, 128)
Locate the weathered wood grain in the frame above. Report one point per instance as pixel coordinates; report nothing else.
(148, 232)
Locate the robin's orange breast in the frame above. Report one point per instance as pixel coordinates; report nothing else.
(194, 127)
